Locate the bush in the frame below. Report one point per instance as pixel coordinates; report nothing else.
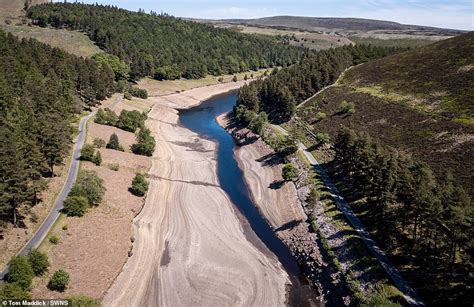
(59, 281)
(99, 143)
(138, 92)
(320, 116)
(114, 167)
(13, 291)
(234, 78)
(286, 146)
(323, 138)
(87, 152)
(384, 296)
(75, 206)
(20, 272)
(106, 117)
(145, 145)
(39, 262)
(97, 160)
(83, 301)
(114, 143)
(90, 186)
(65, 227)
(54, 240)
(347, 107)
(139, 185)
(220, 79)
(246, 77)
(288, 172)
(127, 96)
(131, 120)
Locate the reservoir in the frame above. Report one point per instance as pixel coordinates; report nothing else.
(202, 120)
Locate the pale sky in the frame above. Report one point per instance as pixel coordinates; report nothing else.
(454, 14)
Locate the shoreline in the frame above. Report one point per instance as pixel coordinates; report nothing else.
(190, 243)
(281, 205)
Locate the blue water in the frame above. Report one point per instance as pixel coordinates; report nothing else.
(202, 120)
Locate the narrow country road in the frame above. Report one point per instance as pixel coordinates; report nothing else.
(409, 294)
(41, 233)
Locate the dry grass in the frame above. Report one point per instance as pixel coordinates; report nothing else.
(162, 88)
(70, 41)
(312, 40)
(15, 238)
(93, 249)
(13, 20)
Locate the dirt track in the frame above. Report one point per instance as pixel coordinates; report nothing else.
(190, 248)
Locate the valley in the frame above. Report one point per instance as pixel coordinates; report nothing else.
(152, 160)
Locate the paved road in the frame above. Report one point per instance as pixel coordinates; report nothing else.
(409, 294)
(41, 233)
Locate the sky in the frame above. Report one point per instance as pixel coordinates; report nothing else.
(454, 14)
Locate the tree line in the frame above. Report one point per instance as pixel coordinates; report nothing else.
(279, 94)
(165, 47)
(430, 220)
(41, 88)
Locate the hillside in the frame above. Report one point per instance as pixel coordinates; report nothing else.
(436, 79)
(165, 47)
(419, 101)
(352, 24)
(13, 20)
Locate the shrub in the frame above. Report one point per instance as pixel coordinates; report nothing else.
(145, 145)
(246, 77)
(75, 206)
(347, 107)
(220, 79)
(138, 92)
(131, 120)
(87, 152)
(97, 160)
(99, 143)
(384, 296)
(90, 186)
(83, 301)
(20, 272)
(59, 281)
(139, 185)
(34, 217)
(65, 227)
(114, 143)
(313, 196)
(54, 240)
(320, 116)
(127, 96)
(286, 146)
(39, 262)
(234, 78)
(323, 138)
(114, 167)
(13, 291)
(106, 117)
(288, 172)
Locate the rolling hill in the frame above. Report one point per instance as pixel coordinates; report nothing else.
(348, 24)
(420, 101)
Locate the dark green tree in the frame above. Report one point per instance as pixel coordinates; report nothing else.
(20, 272)
(139, 185)
(39, 262)
(59, 281)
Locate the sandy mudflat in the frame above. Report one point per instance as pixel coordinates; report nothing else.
(276, 199)
(190, 248)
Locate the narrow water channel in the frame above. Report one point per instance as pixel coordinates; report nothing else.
(202, 120)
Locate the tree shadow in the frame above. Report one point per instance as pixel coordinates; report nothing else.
(277, 184)
(270, 159)
(289, 225)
